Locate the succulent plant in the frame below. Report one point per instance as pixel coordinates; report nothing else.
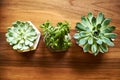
(57, 38)
(94, 34)
(22, 36)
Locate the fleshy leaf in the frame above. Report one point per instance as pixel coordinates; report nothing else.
(106, 23)
(76, 36)
(100, 18)
(108, 29)
(90, 16)
(90, 40)
(80, 27)
(99, 41)
(103, 48)
(110, 35)
(85, 22)
(27, 42)
(94, 48)
(19, 46)
(83, 41)
(107, 41)
(15, 47)
(84, 34)
(100, 49)
(86, 47)
(94, 21)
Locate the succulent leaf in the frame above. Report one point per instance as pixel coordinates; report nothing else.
(94, 22)
(90, 40)
(82, 41)
(94, 48)
(106, 23)
(100, 18)
(86, 47)
(90, 16)
(99, 41)
(103, 48)
(108, 29)
(110, 35)
(80, 27)
(76, 36)
(107, 41)
(85, 22)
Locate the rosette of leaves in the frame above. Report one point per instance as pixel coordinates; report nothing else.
(57, 38)
(21, 36)
(94, 34)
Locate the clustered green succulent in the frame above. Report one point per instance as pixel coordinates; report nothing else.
(94, 34)
(58, 37)
(21, 36)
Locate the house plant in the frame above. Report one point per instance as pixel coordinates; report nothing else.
(94, 34)
(57, 38)
(23, 36)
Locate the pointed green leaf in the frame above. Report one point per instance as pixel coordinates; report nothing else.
(100, 18)
(103, 48)
(107, 41)
(14, 41)
(85, 22)
(84, 34)
(82, 41)
(110, 35)
(94, 21)
(19, 46)
(15, 47)
(96, 53)
(108, 29)
(88, 29)
(90, 40)
(27, 42)
(94, 48)
(14, 24)
(98, 26)
(10, 39)
(80, 27)
(106, 23)
(76, 36)
(99, 41)
(90, 16)
(100, 49)
(18, 22)
(86, 47)
(30, 44)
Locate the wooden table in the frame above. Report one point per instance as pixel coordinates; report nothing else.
(44, 65)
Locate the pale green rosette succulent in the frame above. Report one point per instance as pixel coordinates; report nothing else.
(22, 36)
(95, 34)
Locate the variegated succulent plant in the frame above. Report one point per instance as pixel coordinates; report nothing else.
(95, 34)
(21, 36)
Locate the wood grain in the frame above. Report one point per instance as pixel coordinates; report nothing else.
(44, 65)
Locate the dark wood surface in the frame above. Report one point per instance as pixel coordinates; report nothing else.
(44, 65)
